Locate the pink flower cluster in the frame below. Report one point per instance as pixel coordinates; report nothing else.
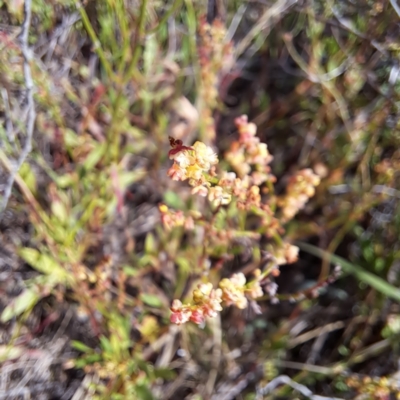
(299, 190)
(248, 156)
(171, 219)
(197, 165)
(250, 189)
(207, 300)
(215, 55)
(206, 303)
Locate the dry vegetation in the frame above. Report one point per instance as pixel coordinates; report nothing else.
(156, 243)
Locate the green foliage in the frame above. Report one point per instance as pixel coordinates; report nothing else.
(24, 302)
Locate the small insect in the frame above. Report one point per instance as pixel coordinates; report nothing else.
(177, 146)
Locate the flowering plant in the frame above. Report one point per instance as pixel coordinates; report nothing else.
(249, 190)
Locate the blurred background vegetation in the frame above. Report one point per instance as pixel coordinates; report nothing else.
(88, 272)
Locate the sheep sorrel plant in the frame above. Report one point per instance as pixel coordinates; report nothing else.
(236, 197)
(119, 280)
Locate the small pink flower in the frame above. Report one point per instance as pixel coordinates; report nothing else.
(201, 190)
(233, 290)
(219, 196)
(181, 316)
(176, 173)
(205, 156)
(197, 316)
(180, 313)
(202, 292)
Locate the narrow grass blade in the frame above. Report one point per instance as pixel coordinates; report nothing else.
(372, 280)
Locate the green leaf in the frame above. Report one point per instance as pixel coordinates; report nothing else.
(184, 264)
(372, 280)
(64, 181)
(59, 211)
(164, 373)
(172, 199)
(130, 271)
(143, 392)
(71, 139)
(24, 302)
(149, 259)
(151, 300)
(80, 363)
(28, 176)
(43, 263)
(59, 232)
(106, 345)
(92, 358)
(126, 178)
(81, 347)
(117, 396)
(150, 244)
(95, 156)
(8, 352)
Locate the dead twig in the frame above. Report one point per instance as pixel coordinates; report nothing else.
(395, 6)
(285, 380)
(26, 52)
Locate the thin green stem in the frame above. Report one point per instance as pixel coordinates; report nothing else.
(191, 22)
(127, 76)
(96, 42)
(278, 239)
(138, 36)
